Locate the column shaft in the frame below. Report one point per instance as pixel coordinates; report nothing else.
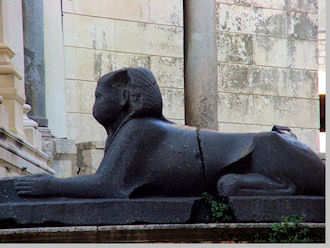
(34, 59)
(200, 66)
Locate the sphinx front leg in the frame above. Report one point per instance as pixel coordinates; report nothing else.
(252, 184)
(90, 186)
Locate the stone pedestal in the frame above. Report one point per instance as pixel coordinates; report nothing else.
(32, 134)
(17, 211)
(64, 157)
(12, 91)
(89, 156)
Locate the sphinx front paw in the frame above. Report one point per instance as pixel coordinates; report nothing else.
(35, 185)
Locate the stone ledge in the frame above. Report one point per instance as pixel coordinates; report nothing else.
(189, 233)
(21, 155)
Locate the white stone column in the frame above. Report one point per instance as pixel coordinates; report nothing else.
(54, 67)
(200, 55)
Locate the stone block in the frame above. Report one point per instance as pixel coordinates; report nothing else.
(275, 208)
(13, 97)
(270, 4)
(271, 22)
(270, 51)
(229, 127)
(72, 96)
(309, 137)
(303, 26)
(65, 157)
(302, 83)
(173, 103)
(90, 65)
(233, 18)
(236, 2)
(87, 96)
(303, 54)
(89, 157)
(156, 11)
(269, 81)
(168, 71)
(33, 136)
(110, 61)
(64, 146)
(47, 141)
(303, 5)
(233, 78)
(20, 156)
(168, 12)
(79, 128)
(268, 110)
(63, 168)
(235, 48)
(305, 135)
(117, 35)
(322, 14)
(79, 63)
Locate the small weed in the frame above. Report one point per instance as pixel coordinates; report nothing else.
(220, 211)
(290, 230)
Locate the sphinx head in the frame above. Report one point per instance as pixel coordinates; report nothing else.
(127, 92)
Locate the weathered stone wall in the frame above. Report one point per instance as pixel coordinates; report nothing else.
(267, 60)
(267, 72)
(104, 35)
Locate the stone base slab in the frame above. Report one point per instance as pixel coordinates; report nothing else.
(275, 208)
(68, 212)
(84, 212)
(16, 211)
(173, 233)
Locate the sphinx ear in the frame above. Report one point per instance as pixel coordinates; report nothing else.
(136, 100)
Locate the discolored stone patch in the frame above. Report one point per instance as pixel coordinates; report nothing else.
(302, 26)
(233, 18)
(237, 48)
(302, 5)
(271, 22)
(271, 51)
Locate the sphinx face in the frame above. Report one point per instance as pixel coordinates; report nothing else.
(107, 105)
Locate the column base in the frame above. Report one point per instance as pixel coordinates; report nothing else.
(42, 121)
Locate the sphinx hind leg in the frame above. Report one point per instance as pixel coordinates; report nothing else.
(252, 184)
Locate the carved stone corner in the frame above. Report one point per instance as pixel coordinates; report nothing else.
(19, 157)
(32, 134)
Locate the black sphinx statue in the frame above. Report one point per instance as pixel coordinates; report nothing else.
(147, 155)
